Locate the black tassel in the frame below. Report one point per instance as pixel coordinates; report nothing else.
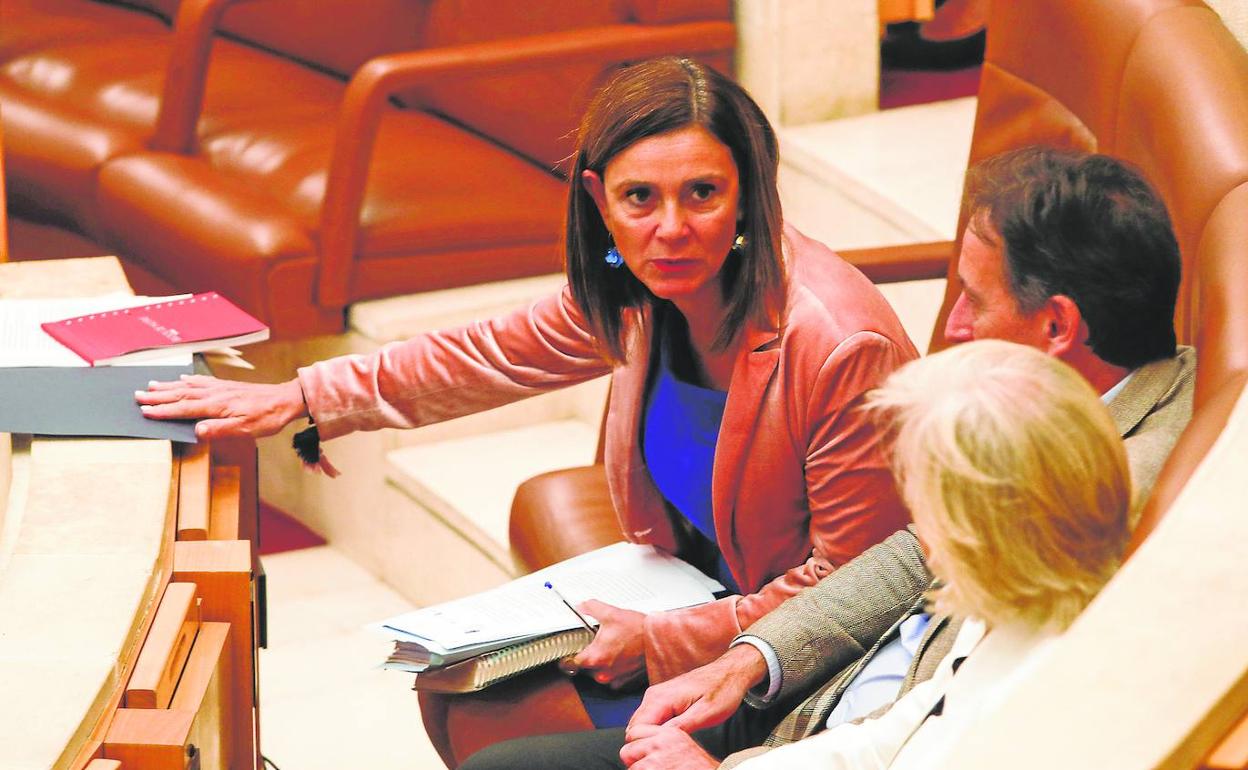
(307, 444)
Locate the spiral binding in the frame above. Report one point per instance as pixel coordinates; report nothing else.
(493, 667)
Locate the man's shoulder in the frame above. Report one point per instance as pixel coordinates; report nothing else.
(1151, 412)
(1162, 387)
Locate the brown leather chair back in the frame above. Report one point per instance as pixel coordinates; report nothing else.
(1162, 84)
(4, 223)
(517, 110)
(333, 35)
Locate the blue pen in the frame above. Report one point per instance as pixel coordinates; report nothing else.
(578, 615)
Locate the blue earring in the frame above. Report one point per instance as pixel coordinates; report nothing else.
(613, 258)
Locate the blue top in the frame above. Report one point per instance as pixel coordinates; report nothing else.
(679, 431)
(678, 443)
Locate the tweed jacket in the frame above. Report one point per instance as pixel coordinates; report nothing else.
(800, 485)
(811, 716)
(824, 635)
(1151, 411)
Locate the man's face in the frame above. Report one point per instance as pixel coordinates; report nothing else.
(986, 309)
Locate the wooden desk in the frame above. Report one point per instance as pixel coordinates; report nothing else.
(87, 548)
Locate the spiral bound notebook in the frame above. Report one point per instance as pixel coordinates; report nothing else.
(484, 670)
(184, 324)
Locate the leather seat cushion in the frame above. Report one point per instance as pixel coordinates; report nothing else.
(268, 123)
(178, 219)
(431, 187)
(125, 90)
(70, 107)
(52, 154)
(187, 195)
(238, 229)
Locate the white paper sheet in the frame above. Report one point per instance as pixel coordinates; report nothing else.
(635, 577)
(24, 343)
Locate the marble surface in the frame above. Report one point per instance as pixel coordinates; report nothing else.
(448, 474)
(781, 42)
(325, 705)
(887, 178)
(396, 318)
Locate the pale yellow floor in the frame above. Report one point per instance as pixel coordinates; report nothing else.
(324, 704)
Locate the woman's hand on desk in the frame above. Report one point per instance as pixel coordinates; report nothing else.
(224, 407)
(617, 655)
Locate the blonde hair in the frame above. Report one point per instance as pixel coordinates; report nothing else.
(1016, 477)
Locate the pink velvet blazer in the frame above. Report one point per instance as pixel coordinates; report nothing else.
(800, 484)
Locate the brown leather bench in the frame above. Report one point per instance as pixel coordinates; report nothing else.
(301, 156)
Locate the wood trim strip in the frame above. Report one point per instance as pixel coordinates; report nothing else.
(151, 739)
(165, 651)
(224, 505)
(194, 492)
(222, 570)
(201, 664)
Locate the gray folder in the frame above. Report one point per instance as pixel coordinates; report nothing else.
(85, 401)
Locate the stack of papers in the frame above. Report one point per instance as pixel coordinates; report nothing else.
(46, 388)
(627, 575)
(24, 343)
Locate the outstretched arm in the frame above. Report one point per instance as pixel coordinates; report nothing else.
(426, 379)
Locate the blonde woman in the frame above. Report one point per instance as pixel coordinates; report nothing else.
(1019, 487)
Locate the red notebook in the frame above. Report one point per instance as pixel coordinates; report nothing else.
(202, 322)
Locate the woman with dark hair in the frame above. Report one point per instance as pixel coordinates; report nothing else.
(738, 348)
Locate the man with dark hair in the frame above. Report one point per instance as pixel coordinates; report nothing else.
(1087, 228)
(1068, 252)
(1074, 254)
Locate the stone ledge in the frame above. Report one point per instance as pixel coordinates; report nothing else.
(886, 178)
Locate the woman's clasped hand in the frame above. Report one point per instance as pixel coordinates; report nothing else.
(617, 656)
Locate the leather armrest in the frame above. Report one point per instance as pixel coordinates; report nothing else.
(186, 76)
(380, 78)
(910, 262)
(561, 514)
(537, 702)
